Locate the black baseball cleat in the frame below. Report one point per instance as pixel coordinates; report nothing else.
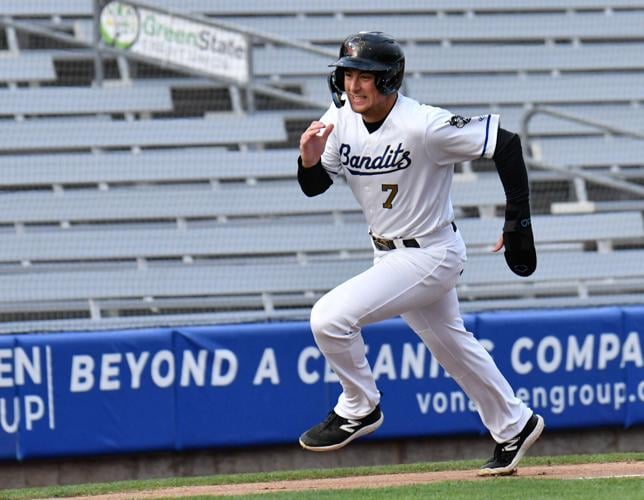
(334, 432)
(507, 455)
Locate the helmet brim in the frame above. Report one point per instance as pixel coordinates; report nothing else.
(359, 64)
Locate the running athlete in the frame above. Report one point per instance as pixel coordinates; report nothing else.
(398, 158)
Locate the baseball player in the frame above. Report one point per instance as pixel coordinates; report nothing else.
(398, 158)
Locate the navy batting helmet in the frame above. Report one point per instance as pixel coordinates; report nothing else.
(371, 51)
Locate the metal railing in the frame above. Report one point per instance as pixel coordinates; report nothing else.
(574, 172)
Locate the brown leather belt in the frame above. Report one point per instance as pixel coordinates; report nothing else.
(386, 245)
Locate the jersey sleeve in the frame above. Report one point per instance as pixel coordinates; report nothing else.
(331, 155)
(453, 138)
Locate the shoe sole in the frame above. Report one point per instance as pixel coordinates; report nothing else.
(368, 429)
(511, 468)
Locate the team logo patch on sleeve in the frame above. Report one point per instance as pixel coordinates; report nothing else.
(458, 121)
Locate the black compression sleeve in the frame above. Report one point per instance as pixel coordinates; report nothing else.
(314, 180)
(508, 158)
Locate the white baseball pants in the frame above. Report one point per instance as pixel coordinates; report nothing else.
(419, 285)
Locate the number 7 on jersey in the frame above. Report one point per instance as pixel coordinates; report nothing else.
(394, 191)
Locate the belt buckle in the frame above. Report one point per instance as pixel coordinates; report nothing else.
(382, 243)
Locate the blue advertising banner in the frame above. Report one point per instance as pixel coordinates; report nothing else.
(185, 388)
(570, 367)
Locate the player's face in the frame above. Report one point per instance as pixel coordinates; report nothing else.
(364, 97)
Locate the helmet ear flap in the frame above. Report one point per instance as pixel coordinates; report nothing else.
(336, 86)
(338, 78)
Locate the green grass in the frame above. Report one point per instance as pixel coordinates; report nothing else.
(477, 489)
(492, 489)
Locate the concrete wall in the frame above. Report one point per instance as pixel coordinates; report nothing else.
(291, 457)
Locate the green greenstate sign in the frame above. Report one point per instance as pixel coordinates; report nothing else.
(176, 40)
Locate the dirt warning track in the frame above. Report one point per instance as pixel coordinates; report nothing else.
(577, 471)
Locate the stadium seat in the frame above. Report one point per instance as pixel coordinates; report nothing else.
(501, 27)
(26, 68)
(460, 59)
(56, 135)
(287, 238)
(202, 201)
(82, 100)
(197, 164)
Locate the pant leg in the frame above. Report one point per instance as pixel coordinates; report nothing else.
(441, 328)
(400, 281)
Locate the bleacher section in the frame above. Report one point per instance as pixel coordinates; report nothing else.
(158, 198)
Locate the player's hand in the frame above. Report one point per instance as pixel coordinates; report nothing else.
(312, 142)
(499, 244)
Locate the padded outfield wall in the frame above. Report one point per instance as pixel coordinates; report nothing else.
(234, 386)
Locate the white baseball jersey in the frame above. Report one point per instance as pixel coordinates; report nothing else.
(401, 174)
